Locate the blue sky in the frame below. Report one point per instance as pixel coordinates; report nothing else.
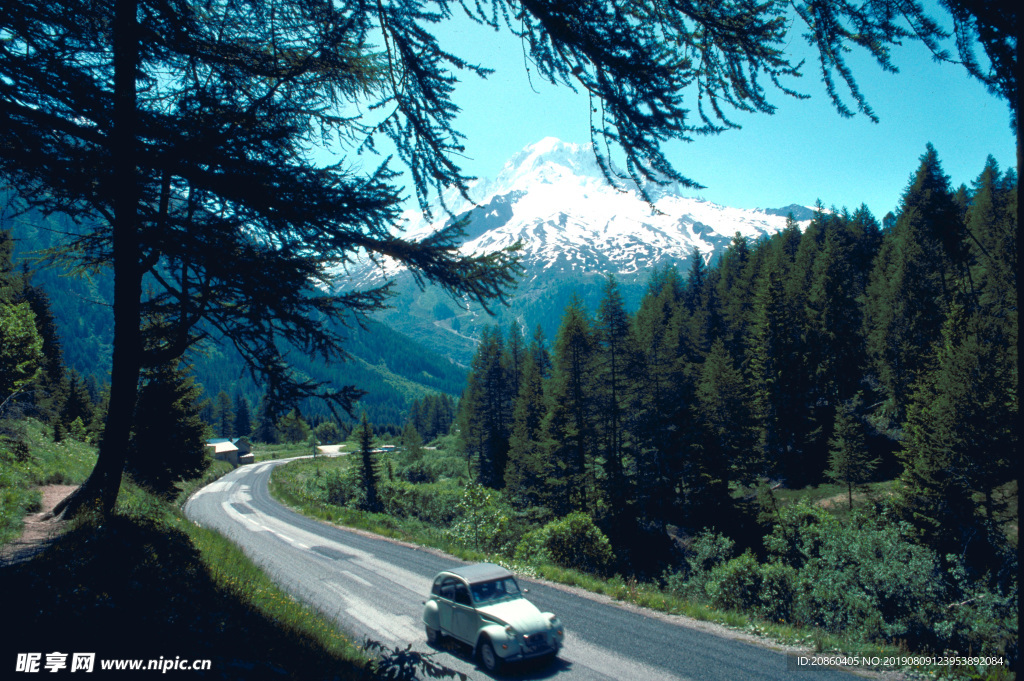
(804, 152)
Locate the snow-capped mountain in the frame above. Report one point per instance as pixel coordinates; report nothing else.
(574, 228)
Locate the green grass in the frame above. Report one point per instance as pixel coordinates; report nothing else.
(36, 460)
(264, 452)
(146, 583)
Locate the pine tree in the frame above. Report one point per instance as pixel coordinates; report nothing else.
(525, 473)
(916, 274)
(729, 434)
(735, 293)
(703, 323)
(368, 470)
(486, 410)
(834, 342)
(243, 419)
(77, 402)
(293, 428)
(848, 461)
(513, 358)
(991, 223)
(960, 437)
(539, 353)
(223, 416)
(569, 425)
(411, 441)
(656, 401)
(767, 360)
(168, 440)
(266, 422)
(614, 355)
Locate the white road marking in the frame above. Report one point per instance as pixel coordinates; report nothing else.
(357, 578)
(396, 629)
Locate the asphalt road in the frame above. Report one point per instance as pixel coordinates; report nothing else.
(374, 587)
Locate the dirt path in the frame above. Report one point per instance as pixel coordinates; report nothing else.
(38, 529)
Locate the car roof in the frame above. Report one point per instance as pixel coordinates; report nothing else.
(480, 572)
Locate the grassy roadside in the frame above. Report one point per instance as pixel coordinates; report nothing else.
(146, 583)
(32, 460)
(297, 485)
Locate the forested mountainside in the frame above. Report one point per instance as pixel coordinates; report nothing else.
(391, 368)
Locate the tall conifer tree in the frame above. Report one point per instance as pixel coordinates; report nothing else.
(368, 467)
(486, 410)
(169, 438)
(613, 358)
(655, 400)
(525, 474)
(243, 417)
(915, 275)
(569, 426)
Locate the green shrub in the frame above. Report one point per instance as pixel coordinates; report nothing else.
(433, 503)
(978, 620)
(342, 487)
(484, 522)
(871, 580)
(708, 551)
(778, 591)
(433, 465)
(328, 433)
(572, 542)
(532, 549)
(735, 584)
(800, 534)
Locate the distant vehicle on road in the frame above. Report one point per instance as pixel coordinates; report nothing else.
(482, 606)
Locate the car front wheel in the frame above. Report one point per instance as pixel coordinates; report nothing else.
(433, 636)
(488, 657)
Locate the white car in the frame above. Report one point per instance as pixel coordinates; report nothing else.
(482, 606)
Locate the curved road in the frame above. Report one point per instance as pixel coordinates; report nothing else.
(375, 587)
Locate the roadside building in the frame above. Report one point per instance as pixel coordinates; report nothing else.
(224, 449)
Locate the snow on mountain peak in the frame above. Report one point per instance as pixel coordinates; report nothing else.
(553, 197)
(546, 162)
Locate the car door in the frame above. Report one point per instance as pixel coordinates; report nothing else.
(446, 604)
(465, 620)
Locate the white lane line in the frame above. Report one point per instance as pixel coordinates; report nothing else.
(243, 518)
(417, 584)
(356, 577)
(583, 654)
(397, 629)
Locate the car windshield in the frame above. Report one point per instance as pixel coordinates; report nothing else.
(496, 590)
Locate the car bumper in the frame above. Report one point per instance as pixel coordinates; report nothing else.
(519, 653)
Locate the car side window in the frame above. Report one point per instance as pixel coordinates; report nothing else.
(448, 588)
(462, 594)
(436, 589)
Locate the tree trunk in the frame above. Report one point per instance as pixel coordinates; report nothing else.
(102, 487)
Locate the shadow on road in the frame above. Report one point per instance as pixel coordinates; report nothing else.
(541, 668)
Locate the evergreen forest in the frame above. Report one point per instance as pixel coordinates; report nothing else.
(881, 359)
